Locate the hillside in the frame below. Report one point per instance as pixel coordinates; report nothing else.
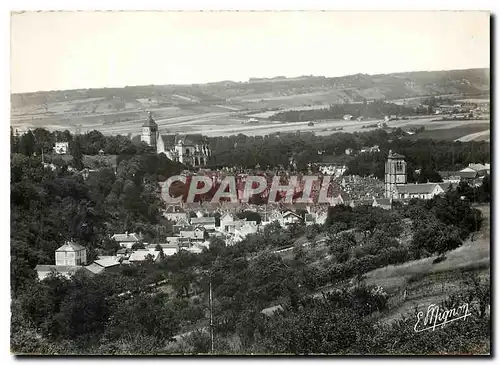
(115, 110)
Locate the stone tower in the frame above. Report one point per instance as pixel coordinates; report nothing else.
(150, 131)
(395, 172)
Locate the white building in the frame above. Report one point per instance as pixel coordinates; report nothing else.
(61, 148)
(69, 258)
(126, 240)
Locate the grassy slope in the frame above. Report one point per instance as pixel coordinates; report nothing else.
(427, 283)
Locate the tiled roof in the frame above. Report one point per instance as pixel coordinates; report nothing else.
(445, 186)
(415, 188)
(70, 247)
(467, 174)
(107, 261)
(168, 139)
(124, 237)
(289, 212)
(477, 166)
(140, 255)
(202, 220)
(94, 268)
(150, 122)
(190, 139)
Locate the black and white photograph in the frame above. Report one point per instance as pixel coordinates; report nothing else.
(226, 183)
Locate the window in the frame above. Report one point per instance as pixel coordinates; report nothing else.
(399, 166)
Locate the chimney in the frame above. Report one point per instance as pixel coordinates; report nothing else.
(126, 232)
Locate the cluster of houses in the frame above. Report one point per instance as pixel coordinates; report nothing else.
(474, 173)
(189, 233)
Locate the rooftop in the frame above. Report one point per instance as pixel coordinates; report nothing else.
(70, 246)
(202, 220)
(125, 237)
(150, 122)
(140, 255)
(425, 188)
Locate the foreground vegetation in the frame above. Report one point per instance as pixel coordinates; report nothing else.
(126, 312)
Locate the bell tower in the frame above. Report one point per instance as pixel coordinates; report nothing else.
(395, 172)
(150, 131)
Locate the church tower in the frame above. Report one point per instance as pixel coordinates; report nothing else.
(150, 131)
(395, 172)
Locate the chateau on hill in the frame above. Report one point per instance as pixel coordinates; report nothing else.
(189, 149)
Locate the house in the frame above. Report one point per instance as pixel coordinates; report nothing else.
(169, 249)
(229, 223)
(69, 259)
(290, 217)
(104, 263)
(196, 249)
(142, 255)
(126, 239)
(61, 148)
(383, 203)
(173, 240)
(415, 191)
(71, 254)
(249, 227)
(442, 188)
(226, 220)
(193, 233)
(175, 213)
(180, 224)
(206, 222)
(275, 215)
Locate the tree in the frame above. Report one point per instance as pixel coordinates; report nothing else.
(159, 248)
(27, 144)
(138, 246)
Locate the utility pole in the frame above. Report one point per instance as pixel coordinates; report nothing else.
(211, 314)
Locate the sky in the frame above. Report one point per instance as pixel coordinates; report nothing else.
(74, 50)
